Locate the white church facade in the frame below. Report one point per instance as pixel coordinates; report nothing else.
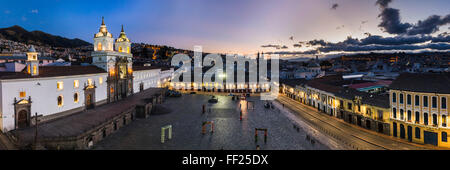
(54, 91)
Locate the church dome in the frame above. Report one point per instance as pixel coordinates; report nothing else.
(103, 31)
(123, 37)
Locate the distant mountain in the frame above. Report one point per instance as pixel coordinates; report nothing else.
(19, 34)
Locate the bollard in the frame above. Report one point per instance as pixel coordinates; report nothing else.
(203, 109)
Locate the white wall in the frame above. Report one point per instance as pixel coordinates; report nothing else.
(44, 96)
(148, 77)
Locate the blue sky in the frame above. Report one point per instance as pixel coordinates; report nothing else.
(218, 25)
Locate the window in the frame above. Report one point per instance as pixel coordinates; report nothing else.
(417, 117)
(401, 98)
(434, 119)
(349, 106)
(444, 136)
(425, 101)
(401, 114)
(99, 46)
(417, 100)
(417, 132)
(29, 69)
(394, 97)
(59, 85)
(75, 97)
(444, 121)
(76, 84)
(394, 113)
(34, 69)
(408, 99)
(128, 49)
(120, 49)
(60, 101)
(409, 115)
(444, 103)
(394, 129)
(434, 102)
(100, 80)
(380, 114)
(89, 81)
(22, 94)
(425, 118)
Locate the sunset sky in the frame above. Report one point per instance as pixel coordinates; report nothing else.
(227, 26)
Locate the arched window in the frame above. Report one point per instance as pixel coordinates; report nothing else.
(408, 99)
(394, 113)
(75, 97)
(444, 136)
(417, 100)
(409, 116)
(425, 118)
(401, 114)
(417, 117)
(444, 121)
(434, 119)
(394, 97)
(401, 98)
(34, 69)
(60, 101)
(99, 46)
(417, 132)
(444, 103)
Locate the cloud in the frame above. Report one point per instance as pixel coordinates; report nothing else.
(34, 11)
(429, 25)
(390, 21)
(377, 43)
(334, 6)
(271, 46)
(297, 45)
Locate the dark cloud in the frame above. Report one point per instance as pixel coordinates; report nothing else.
(391, 23)
(376, 42)
(383, 3)
(297, 45)
(334, 6)
(271, 46)
(429, 25)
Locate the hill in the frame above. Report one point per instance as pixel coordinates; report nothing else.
(19, 34)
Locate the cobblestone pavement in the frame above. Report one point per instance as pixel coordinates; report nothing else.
(229, 132)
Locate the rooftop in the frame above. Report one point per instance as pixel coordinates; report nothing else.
(54, 71)
(423, 82)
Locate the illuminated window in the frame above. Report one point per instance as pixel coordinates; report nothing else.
(99, 46)
(60, 101)
(76, 84)
(100, 80)
(29, 69)
(34, 69)
(59, 85)
(22, 94)
(75, 97)
(120, 49)
(128, 49)
(89, 82)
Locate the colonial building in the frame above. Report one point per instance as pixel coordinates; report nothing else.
(54, 91)
(419, 108)
(328, 95)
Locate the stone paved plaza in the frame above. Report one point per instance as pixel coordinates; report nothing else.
(229, 132)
